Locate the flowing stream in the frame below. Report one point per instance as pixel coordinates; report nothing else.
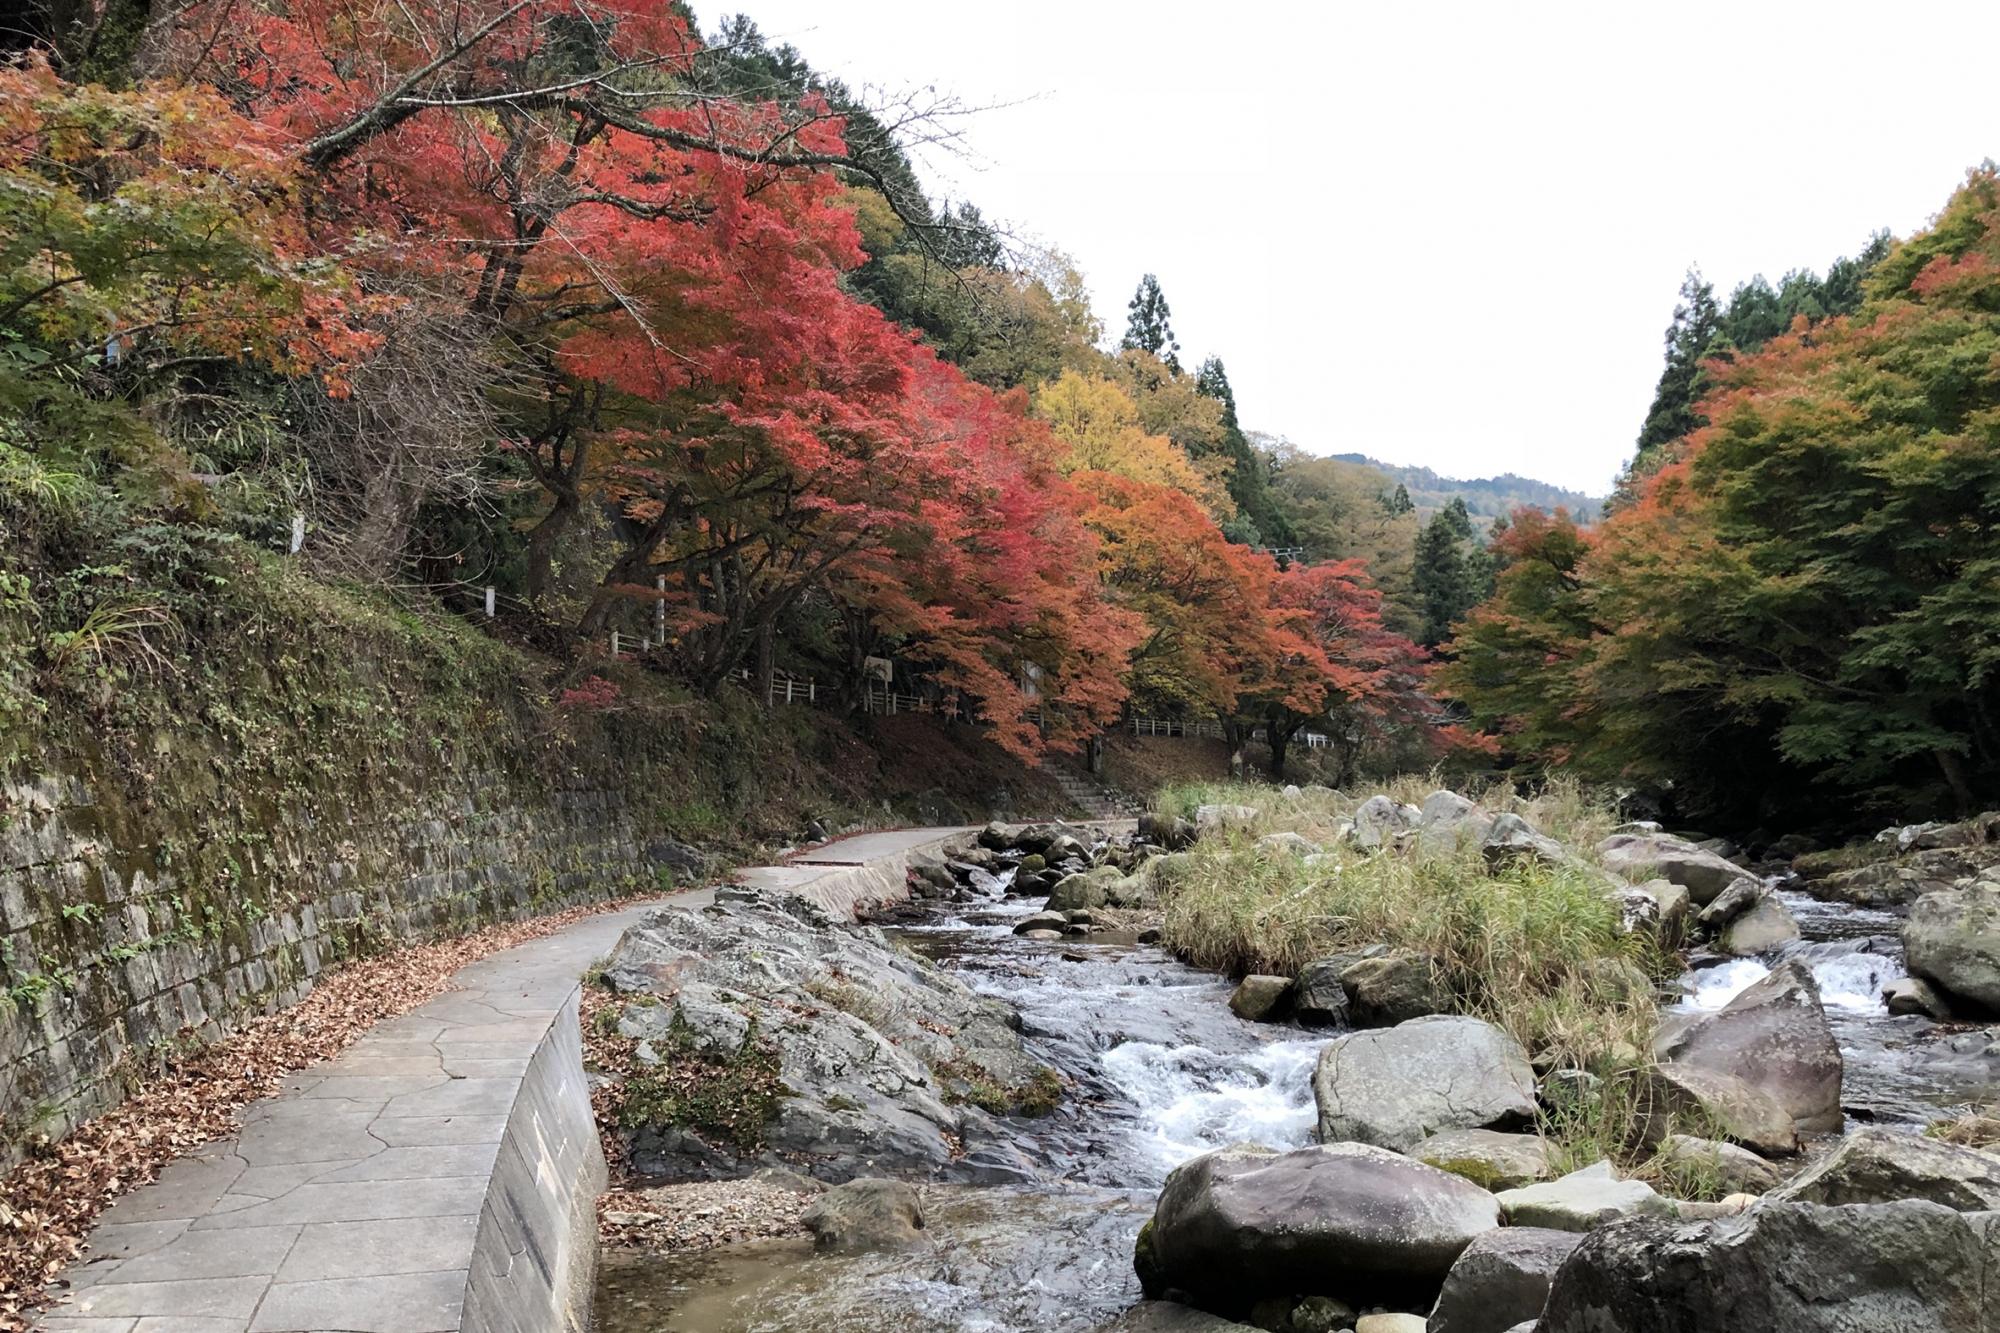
(1899, 1069)
(1161, 1071)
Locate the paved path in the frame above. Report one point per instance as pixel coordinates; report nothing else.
(352, 1200)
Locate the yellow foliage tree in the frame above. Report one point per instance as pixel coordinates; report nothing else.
(1099, 423)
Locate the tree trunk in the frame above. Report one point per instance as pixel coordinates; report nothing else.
(543, 539)
(1280, 737)
(1952, 765)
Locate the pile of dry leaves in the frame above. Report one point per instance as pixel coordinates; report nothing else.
(49, 1201)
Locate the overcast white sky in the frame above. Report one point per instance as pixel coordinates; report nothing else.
(1446, 234)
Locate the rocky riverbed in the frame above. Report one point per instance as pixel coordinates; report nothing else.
(1089, 1122)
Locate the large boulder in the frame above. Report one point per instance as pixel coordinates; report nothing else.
(1581, 1200)
(1394, 987)
(1511, 839)
(1259, 998)
(1952, 940)
(1168, 831)
(1643, 856)
(1900, 880)
(1212, 819)
(1731, 903)
(1768, 925)
(1448, 821)
(1367, 1226)
(1676, 1098)
(1774, 1037)
(866, 1215)
(1396, 1087)
(1502, 1279)
(1880, 1166)
(855, 1057)
(1907, 1267)
(1378, 820)
(1085, 889)
(1486, 1157)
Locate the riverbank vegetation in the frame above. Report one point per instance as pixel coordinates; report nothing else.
(1538, 948)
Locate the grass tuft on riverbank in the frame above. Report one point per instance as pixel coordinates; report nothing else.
(1536, 949)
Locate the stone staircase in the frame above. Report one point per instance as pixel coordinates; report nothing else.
(1093, 796)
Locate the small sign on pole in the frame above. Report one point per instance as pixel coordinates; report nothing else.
(298, 533)
(489, 601)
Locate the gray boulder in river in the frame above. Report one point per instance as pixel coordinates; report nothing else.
(1395, 1087)
(1641, 856)
(1502, 1279)
(1952, 940)
(1905, 1267)
(1362, 1224)
(873, 1049)
(1880, 1165)
(1774, 1037)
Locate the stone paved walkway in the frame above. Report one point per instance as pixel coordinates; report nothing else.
(352, 1200)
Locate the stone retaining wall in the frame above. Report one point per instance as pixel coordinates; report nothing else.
(124, 930)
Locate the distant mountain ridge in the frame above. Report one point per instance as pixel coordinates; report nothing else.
(1485, 497)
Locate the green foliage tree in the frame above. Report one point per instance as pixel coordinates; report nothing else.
(1694, 325)
(1452, 572)
(1249, 479)
(1149, 326)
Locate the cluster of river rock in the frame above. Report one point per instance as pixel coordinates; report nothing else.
(1426, 1202)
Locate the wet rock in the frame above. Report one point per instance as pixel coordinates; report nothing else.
(1907, 1267)
(1259, 999)
(1040, 921)
(1775, 1038)
(1735, 1170)
(1319, 1314)
(866, 1215)
(1345, 1220)
(1488, 1158)
(1642, 856)
(1898, 881)
(1914, 995)
(1398, 1086)
(1090, 888)
(1731, 903)
(1318, 997)
(1378, 820)
(1041, 933)
(1501, 1279)
(1393, 988)
(852, 1026)
(1581, 1200)
(1763, 928)
(1880, 1166)
(1675, 1097)
(1952, 940)
(1512, 839)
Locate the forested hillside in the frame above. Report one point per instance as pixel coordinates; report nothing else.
(1484, 497)
(654, 336)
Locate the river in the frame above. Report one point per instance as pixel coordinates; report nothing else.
(1160, 1071)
